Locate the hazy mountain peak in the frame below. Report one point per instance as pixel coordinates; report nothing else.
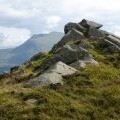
(35, 44)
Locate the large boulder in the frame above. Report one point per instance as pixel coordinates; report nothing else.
(71, 36)
(53, 75)
(70, 26)
(86, 23)
(95, 33)
(72, 53)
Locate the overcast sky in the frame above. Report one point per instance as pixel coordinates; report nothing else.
(19, 19)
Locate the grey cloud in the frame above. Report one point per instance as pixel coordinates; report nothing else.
(67, 10)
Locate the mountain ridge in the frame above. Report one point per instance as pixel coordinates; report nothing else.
(15, 56)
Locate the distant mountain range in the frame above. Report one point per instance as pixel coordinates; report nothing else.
(18, 55)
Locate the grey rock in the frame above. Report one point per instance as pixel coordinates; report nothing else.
(70, 26)
(113, 39)
(86, 23)
(72, 53)
(110, 47)
(82, 63)
(95, 33)
(71, 36)
(78, 64)
(53, 75)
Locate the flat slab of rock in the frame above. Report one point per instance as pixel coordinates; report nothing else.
(113, 39)
(53, 75)
(87, 24)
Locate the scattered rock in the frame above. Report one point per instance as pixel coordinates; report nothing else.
(86, 23)
(53, 75)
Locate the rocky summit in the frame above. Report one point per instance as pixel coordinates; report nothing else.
(78, 79)
(72, 49)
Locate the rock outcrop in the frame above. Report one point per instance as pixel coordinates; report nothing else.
(72, 52)
(79, 31)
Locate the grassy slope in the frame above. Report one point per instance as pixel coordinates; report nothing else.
(92, 94)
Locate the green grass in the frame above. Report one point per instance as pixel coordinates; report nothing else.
(91, 94)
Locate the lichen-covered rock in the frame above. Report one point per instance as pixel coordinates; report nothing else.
(53, 75)
(76, 26)
(86, 23)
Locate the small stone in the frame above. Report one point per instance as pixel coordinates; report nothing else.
(31, 101)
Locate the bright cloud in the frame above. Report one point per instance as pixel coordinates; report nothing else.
(13, 12)
(51, 15)
(11, 37)
(52, 21)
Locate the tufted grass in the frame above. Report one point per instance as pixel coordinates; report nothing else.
(91, 94)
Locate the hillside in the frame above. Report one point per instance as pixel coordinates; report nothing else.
(78, 79)
(41, 42)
